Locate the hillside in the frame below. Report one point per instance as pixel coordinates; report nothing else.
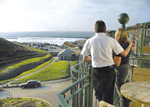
(137, 26)
(70, 44)
(11, 50)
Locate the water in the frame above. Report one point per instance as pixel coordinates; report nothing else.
(51, 37)
(58, 41)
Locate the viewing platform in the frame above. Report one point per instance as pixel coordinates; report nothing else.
(80, 93)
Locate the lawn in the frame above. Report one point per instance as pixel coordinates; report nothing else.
(56, 70)
(22, 102)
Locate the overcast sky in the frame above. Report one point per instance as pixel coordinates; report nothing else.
(69, 15)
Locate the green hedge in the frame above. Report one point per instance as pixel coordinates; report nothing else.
(54, 71)
(29, 71)
(28, 61)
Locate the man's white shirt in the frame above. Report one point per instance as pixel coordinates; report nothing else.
(101, 48)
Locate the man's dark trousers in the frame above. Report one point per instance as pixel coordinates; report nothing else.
(103, 83)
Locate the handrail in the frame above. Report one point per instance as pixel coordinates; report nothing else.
(81, 88)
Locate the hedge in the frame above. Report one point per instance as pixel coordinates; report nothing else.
(29, 71)
(56, 70)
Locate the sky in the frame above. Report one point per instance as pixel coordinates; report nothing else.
(69, 15)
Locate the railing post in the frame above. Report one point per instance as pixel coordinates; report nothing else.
(137, 47)
(142, 42)
(91, 86)
(145, 43)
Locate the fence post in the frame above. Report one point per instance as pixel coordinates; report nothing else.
(142, 42)
(91, 86)
(136, 47)
(145, 43)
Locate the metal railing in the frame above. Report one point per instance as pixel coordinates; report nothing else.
(80, 92)
(140, 63)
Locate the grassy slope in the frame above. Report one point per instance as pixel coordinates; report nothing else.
(11, 50)
(13, 46)
(54, 71)
(70, 44)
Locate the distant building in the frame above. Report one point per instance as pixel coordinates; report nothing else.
(65, 55)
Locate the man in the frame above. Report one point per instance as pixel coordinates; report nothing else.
(101, 47)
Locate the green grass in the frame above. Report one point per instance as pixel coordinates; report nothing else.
(74, 63)
(28, 102)
(25, 62)
(29, 71)
(54, 71)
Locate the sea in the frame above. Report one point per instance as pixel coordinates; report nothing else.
(52, 37)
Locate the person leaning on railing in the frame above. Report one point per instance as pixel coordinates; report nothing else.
(100, 47)
(123, 68)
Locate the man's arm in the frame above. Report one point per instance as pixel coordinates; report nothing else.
(125, 52)
(86, 59)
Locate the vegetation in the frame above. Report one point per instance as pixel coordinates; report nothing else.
(15, 47)
(11, 51)
(74, 63)
(56, 70)
(70, 44)
(28, 61)
(22, 102)
(77, 53)
(137, 26)
(29, 71)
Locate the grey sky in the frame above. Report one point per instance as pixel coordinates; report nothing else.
(69, 15)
